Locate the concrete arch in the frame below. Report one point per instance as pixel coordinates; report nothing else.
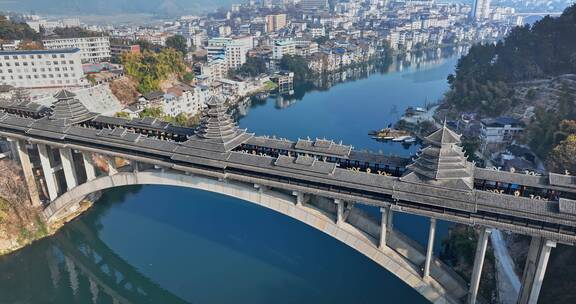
(433, 288)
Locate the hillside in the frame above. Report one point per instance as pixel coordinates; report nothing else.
(528, 75)
(20, 223)
(482, 78)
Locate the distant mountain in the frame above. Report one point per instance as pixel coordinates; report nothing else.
(106, 7)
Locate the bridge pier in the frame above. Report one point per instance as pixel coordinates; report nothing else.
(301, 198)
(21, 152)
(430, 250)
(49, 179)
(478, 264)
(534, 270)
(88, 166)
(111, 166)
(384, 226)
(339, 211)
(68, 167)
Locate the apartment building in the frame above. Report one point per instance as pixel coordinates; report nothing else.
(41, 68)
(275, 22)
(92, 49)
(283, 47)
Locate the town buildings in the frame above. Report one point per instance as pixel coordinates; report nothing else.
(282, 48)
(42, 68)
(116, 50)
(481, 10)
(92, 49)
(501, 130)
(275, 22)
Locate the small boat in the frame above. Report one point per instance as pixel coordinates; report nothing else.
(401, 138)
(410, 140)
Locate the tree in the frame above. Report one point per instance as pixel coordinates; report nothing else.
(562, 157)
(75, 32)
(181, 119)
(253, 66)
(188, 77)
(16, 31)
(149, 69)
(177, 42)
(298, 65)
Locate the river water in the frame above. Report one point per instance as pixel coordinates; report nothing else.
(157, 244)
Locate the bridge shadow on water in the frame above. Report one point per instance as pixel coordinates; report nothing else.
(158, 244)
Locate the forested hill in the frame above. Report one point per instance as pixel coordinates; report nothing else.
(547, 48)
(15, 31)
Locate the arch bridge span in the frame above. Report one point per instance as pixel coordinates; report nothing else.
(402, 257)
(67, 152)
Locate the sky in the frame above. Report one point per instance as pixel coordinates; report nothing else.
(102, 7)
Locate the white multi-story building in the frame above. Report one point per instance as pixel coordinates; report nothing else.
(182, 98)
(481, 10)
(92, 49)
(231, 50)
(500, 130)
(283, 47)
(41, 68)
(236, 50)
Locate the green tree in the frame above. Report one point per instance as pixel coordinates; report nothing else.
(148, 69)
(181, 119)
(74, 32)
(298, 65)
(562, 156)
(253, 66)
(177, 42)
(16, 31)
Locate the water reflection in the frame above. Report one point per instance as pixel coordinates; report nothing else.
(419, 61)
(81, 268)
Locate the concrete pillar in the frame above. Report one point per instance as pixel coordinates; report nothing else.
(478, 263)
(534, 270)
(112, 166)
(136, 167)
(384, 226)
(339, 211)
(21, 152)
(430, 250)
(89, 166)
(48, 174)
(261, 188)
(301, 198)
(68, 167)
(390, 220)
